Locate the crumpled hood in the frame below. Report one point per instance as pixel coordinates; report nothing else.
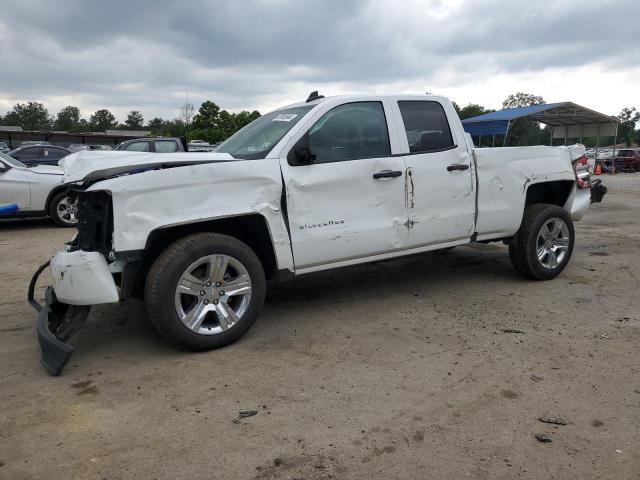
(95, 165)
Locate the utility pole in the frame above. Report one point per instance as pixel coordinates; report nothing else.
(186, 114)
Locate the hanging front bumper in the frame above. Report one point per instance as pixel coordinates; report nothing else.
(80, 279)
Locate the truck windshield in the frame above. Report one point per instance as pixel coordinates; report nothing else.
(258, 138)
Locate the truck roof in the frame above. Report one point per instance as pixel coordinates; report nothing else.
(359, 96)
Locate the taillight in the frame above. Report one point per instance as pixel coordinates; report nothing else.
(581, 171)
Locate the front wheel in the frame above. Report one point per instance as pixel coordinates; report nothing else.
(205, 291)
(542, 247)
(63, 210)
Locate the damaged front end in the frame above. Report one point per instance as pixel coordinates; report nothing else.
(57, 323)
(81, 278)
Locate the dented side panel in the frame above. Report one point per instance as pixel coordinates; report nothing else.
(189, 194)
(505, 174)
(338, 211)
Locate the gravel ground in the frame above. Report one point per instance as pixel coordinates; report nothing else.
(403, 369)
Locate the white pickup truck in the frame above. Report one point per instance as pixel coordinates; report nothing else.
(321, 184)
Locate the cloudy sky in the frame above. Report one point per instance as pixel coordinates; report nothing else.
(260, 54)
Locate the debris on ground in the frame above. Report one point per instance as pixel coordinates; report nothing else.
(277, 462)
(541, 437)
(554, 421)
(536, 378)
(605, 335)
(511, 330)
(247, 413)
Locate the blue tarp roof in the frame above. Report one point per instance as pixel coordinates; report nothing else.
(496, 123)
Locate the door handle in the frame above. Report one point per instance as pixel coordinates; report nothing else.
(387, 174)
(451, 168)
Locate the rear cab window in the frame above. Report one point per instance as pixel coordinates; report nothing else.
(426, 125)
(166, 146)
(137, 147)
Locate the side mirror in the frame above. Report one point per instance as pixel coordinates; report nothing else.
(4, 168)
(304, 156)
(300, 154)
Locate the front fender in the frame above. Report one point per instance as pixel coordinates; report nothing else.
(148, 201)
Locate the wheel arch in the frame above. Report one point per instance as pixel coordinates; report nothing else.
(54, 191)
(555, 192)
(252, 229)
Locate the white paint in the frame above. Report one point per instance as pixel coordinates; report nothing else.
(518, 168)
(82, 278)
(29, 187)
(154, 199)
(338, 215)
(97, 164)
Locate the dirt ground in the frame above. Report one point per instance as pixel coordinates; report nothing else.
(402, 369)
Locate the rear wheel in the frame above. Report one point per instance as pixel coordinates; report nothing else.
(205, 291)
(542, 247)
(63, 210)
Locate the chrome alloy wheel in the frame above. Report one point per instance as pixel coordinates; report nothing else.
(212, 294)
(67, 210)
(552, 243)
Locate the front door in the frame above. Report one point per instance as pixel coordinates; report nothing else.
(14, 188)
(346, 200)
(440, 181)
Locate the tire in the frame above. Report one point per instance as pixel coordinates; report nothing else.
(185, 291)
(554, 244)
(63, 210)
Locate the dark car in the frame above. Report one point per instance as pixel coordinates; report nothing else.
(39, 154)
(153, 144)
(627, 159)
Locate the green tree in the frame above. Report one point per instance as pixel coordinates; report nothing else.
(207, 116)
(628, 118)
(522, 100)
(102, 120)
(135, 120)
(472, 110)
(68, 119)
(524, 132)
(245, 118)
(30, 116)
(156, 125)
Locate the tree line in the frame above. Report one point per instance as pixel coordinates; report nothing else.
(211, 123)
(215, 125)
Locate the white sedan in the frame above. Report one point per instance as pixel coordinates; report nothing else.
(38, 191)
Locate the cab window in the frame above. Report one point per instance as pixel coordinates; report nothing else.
(137, 147)
(426, 125)
(350, 131)
(166, 146)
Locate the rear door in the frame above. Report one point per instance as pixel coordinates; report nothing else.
(440, 189)
(348, 203)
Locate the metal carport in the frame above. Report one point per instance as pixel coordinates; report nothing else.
(566, 119)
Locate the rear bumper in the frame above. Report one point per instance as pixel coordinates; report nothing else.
(598, 191)
(580, 198)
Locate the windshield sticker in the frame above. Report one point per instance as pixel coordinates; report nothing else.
(285, 117)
